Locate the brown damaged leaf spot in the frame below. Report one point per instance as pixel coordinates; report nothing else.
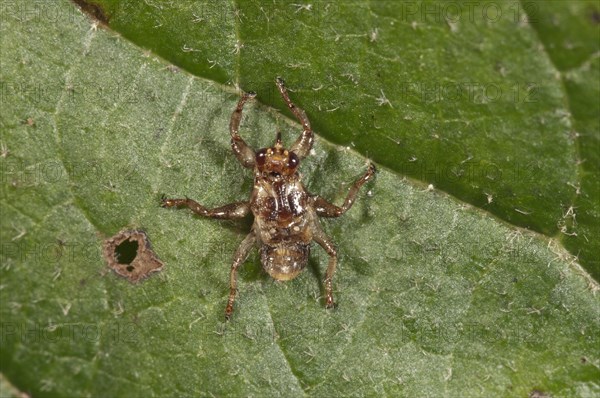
(130, 255)
(92, 9)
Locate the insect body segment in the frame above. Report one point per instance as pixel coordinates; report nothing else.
(285, 214)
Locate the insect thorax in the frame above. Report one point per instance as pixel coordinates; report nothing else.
(279, 203)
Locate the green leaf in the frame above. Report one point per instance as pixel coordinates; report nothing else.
(569, 32)
(436, 297)
(493, 102)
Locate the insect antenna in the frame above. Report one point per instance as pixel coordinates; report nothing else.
(278, 139)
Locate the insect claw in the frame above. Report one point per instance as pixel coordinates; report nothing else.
(372, 169)
(250, 94)
(280, 81)
(228, 312)
(163, 200)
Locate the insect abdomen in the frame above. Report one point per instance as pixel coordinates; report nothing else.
(284, 263)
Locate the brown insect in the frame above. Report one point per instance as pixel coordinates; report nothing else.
(285, 214)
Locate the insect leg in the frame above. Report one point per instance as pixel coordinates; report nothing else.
(230, 211)
(242, 151)
(304, 143)
(327, 244)
(240, 256)
(326, 209)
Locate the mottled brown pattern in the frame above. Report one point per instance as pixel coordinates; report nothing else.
(285, 214)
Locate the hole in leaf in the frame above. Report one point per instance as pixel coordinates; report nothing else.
(126, 252)
(130, 255)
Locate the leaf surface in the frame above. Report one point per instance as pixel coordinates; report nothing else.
(435, 296)
(495, 103)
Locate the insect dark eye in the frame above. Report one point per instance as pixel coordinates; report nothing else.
(260, 157)
(293, 160)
